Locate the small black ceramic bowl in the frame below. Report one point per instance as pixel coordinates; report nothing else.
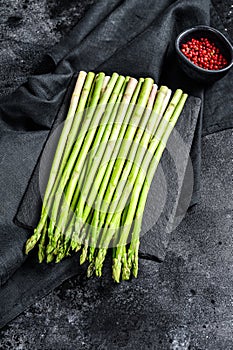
(198, 73)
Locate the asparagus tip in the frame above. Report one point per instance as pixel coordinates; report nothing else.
(116, 270)
(30, 244)
(90, 270)
(49, 258)
(83, 256)
(41, 257)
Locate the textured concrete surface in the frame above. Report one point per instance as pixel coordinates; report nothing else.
(28, 29)
(185, 302)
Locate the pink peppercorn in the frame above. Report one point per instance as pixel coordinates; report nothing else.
(204, 54)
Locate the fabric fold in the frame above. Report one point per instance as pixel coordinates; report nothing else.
(96, 14)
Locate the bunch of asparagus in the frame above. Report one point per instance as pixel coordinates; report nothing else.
(111, 143)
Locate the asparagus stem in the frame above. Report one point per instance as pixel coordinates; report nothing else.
(102, 114)
(123, 115)
(121, 256)
(98, 151)
(112, 219)
(105, 83)
(77, 160)
(73, 119)
(55, 169)
(65, 239)
(125, 109)
(154, 115)
(136, 126)
(133, 249)
(139, 197)
(137, 151)
(129, 131)
(70, 140)
(133, 165)
(88, 86)
(100, 142)
(153, 144)
(165, 100)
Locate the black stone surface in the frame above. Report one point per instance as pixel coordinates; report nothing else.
(185, 302)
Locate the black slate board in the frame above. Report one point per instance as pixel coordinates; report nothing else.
(165, 188)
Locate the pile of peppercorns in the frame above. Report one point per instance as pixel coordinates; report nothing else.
(204, 54)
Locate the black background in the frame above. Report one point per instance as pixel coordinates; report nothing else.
(187, 301)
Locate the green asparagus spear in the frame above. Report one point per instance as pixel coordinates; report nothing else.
(133, 134)
(129, 134)
(112, 220)
(141, 200)
(71, 116)
(125, 109)
(124, 113)
(137, 153)
(84, 141)
(101, 140)
(73, 156)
